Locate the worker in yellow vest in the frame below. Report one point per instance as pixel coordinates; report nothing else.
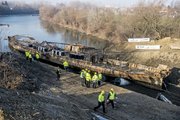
(27, 55)
(37, 56)
(111, 97)
(66, 65)
(82, 76)
(88, 79)
(99, 78)
(30, 57)
(101, 101)
(94, 80)
(85, 71)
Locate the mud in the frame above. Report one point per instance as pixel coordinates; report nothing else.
(31, 91)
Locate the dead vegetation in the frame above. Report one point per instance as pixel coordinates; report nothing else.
(19, 79)
(152, 20)
(10, 78)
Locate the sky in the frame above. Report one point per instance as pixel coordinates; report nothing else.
(113, 3)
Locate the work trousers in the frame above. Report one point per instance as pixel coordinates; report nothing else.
(99, 83)
(99, 105)
(112, 103)
(94, 84)
(58, 76)
(85, 82)
(30, 59)
(66, 68)
(88, 84)
(37, 59)
(82, 81)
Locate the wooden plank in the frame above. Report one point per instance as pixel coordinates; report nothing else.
(138, 39)
(148, 47)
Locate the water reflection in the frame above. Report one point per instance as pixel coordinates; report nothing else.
(41, 31)
(4, 46)
(73, 36)
(49, 28)
(3, 39)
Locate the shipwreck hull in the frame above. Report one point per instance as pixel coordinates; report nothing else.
(149, 78)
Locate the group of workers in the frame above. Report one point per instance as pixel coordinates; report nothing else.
(110, 99)
(88, 80)
(96, 80)
(28, 55)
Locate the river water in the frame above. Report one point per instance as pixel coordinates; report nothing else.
(32, 26)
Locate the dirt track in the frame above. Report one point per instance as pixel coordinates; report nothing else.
(67, 99)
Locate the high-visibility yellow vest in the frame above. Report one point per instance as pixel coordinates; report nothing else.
(37, 56)
(82, 74)
(88, 76)
(26, 53)
(94, 78)
(112, 95)
(85, 74)
(101, 97)
(99, 76)
(65, 64)
(30, 56)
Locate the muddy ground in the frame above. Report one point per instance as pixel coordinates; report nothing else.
(165, 55)
(31, 91)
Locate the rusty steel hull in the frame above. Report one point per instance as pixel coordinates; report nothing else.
(150, 79)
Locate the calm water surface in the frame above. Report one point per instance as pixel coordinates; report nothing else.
(34, 27)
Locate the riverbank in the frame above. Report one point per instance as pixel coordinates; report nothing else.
(127, 51)
(67, 99)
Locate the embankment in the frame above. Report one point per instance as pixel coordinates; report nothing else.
(66, 99)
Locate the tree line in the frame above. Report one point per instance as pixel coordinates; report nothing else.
(152, 20)
(11, 8)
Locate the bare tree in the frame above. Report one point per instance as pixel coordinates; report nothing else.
(152, 20)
